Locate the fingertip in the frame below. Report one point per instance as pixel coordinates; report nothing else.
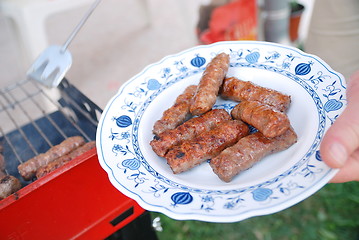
(332, 149)
(350, 172)
(341, 139)
(335, 155)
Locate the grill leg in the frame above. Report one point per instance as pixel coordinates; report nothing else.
(139, 229)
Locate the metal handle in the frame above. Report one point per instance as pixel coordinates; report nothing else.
(79, 25)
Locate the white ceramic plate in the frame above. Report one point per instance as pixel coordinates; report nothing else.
(275, 183)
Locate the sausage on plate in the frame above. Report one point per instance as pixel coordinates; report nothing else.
(267, 120)
(188, 130)
(177, 113)
(248, 151)
(209, 84)
(238, 90)
(28, 169)
(205, 146)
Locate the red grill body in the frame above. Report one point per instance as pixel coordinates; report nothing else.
(76, 201)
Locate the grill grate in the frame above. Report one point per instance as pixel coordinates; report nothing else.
(34, 119)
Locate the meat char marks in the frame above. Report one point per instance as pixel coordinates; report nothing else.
(188, 130)
(238, 90)
(8, 185)
(267, 120)
(214, 134)
(59, 162)
(210, 83)
(177, 113)
(248, 151)
(205, 146)
(28, 169)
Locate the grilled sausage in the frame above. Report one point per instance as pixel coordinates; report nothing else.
(8, 185)
(59, 162)
(205, 146)
(188, 130)
(177, 113)
(2, 162)
(267, 120)
(2, 173)
(239, 90)
(209, 84)
(248, 151)
(28, 169)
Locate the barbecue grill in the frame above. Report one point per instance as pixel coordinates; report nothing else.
(75, 201)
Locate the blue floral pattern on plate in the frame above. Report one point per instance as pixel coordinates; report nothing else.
(277, 182)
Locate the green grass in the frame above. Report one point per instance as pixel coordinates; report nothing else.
(330, 214)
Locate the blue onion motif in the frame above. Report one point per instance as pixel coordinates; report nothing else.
(261, 194)
(153, 84)
(252, 129)
(198, 61)
(132, 164)
(252, 57)
(123, 121)
(303, 68)
(317, 156)
(332, 105)
(181, 198)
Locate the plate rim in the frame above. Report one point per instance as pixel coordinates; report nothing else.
(265, 211)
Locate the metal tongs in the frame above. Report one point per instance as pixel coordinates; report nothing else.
(53, 63)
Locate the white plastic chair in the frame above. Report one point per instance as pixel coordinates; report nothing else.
(29, 21)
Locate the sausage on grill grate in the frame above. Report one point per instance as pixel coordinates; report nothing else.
(2, 162)
(8, 185)
(44, 170)
(28, 169)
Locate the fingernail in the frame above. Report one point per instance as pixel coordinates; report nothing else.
(338, 154)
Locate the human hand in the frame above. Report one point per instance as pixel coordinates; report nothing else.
(340, 145)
